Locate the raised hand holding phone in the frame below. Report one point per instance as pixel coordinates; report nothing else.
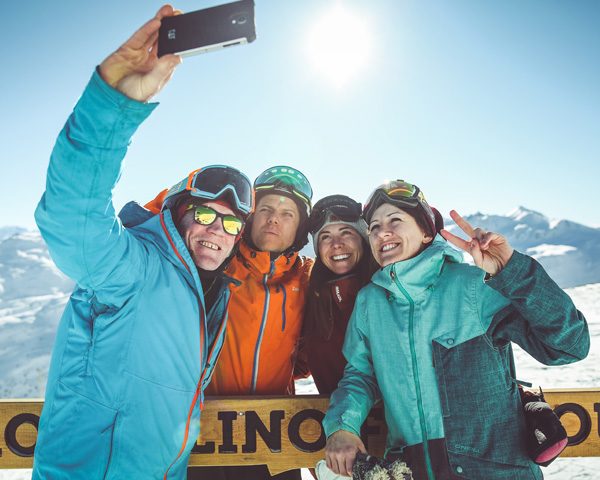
(208, 29)
(134, 68)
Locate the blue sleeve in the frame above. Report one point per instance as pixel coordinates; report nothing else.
(357, 391)
(75, 215)
(541, 317)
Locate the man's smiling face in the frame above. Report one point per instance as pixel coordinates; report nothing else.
(209, 245)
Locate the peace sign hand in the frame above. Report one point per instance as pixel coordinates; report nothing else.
(490, 251)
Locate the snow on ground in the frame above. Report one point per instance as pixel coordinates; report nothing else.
(578, 375)
(28, 328)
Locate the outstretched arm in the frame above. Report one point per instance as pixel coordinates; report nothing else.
(76, 215)
(542, 319)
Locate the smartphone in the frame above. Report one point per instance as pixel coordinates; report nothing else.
(208, 29)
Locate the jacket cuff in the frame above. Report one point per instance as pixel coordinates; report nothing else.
(331, 427)
(516, 268)
(105, 117)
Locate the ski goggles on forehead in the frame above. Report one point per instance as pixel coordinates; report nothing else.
(207, 216)
(345, 210)
(397, 190)
(285, 178)
(399, 193)
(212, 182)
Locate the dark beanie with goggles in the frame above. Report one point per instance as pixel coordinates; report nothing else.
(336, 209)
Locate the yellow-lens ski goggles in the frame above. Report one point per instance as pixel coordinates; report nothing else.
(207, 216)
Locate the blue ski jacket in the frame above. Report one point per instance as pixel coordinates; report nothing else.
(433, 340)
(135, 347)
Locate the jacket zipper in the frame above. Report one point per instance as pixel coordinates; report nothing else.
(413, 354)
(283, 320)
(196, 395)
(89, 355)
(198, 392)
(218, 354)
(262, 329)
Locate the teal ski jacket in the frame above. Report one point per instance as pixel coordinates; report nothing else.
(135, 347)
(432, 339)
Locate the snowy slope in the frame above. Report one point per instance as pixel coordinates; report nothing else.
(27, 270)
(9, 231)
(33, 294)
(578, 375)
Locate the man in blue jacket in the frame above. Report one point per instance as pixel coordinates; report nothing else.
(139, 337)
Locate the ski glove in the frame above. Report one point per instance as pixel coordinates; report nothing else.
(546, 436)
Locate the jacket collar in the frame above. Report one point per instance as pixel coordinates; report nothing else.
(160, 230)
(419, 273)
(260, 263)
(133, 214)
(344, 289)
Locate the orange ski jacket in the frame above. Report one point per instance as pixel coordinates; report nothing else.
(265, 320)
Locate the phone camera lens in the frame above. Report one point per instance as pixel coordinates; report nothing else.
(241, 20)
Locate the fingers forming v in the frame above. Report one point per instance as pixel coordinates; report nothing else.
(489, 238)
(462, 223)
(456, 241)
(475, 251)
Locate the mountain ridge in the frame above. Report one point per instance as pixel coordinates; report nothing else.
(568, 250)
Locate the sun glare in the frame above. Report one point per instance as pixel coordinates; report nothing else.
(339, 45)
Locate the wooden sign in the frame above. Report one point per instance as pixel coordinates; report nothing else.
(285, 432)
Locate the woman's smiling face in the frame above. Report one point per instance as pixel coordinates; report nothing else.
(340, 247)
(394, 235)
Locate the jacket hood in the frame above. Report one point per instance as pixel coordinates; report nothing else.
(160, 230)
(155, 205)
(419, 273)
(133, 214)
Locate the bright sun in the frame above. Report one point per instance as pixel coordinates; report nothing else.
(339, 45)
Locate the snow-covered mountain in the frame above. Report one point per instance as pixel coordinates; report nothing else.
(26, 269)
(9, 231)
(33, 293)
(569, 251)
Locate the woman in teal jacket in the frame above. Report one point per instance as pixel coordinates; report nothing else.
(142, 331)
(431, 336)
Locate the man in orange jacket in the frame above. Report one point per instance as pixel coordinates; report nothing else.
(265, 312)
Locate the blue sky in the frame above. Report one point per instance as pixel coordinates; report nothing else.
(485, 105)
